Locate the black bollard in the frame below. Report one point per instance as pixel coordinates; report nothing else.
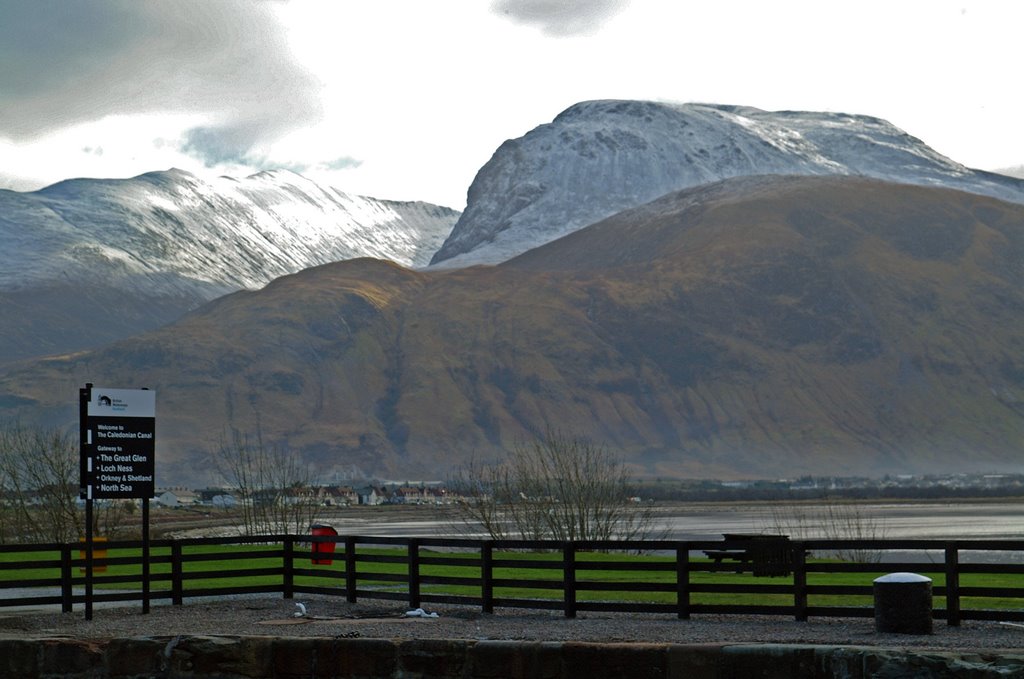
(903, 603)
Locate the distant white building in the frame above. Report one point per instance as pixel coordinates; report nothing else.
(372, 495)
(168, 498)
(176, 497)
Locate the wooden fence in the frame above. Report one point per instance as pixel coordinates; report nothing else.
(671, 577)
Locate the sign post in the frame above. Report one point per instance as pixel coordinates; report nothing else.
(117, 429)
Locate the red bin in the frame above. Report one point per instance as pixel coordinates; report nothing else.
(322, 551)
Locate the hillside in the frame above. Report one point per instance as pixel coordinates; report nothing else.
(598, 158)
(89, 261)
(755, 327)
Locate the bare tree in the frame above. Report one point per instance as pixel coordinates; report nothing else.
(39, 488)
(557, 488)
(38, 478)
(274, 487)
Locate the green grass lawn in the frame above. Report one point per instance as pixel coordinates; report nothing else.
(221, 566)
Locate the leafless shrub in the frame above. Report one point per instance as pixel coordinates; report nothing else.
(556, 488)
(273, 487)
(830, 519)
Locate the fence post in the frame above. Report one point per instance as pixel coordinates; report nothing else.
(414, 573)
(66, 590)
(569, 578)
(288, 568)
(683, 580)
(350, 569)
(952, 585)
(487, 576)
(176, 574)
(146, 557)
(799, 561)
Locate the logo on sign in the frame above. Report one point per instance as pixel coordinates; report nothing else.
(114, 403)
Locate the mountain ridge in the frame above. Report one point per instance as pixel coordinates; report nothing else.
(102, 259)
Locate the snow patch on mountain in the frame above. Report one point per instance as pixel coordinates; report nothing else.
(598, 158)
(172, 233)
(1016, 171)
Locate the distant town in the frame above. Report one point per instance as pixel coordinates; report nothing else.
(374, 493)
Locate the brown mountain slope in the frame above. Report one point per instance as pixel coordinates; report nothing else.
(754, 327)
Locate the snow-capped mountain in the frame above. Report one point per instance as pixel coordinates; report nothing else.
(134, 253)
(598, 158)
(226, 233)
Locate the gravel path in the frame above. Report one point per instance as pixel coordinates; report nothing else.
(334, 617)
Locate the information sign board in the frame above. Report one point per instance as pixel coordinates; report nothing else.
(118, 459)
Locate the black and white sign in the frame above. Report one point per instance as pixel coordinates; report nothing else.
(118, 458)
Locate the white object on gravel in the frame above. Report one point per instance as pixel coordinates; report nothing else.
(419, 613)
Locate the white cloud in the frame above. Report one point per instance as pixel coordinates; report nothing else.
(112, 146)
(407, 99)
(70, 63)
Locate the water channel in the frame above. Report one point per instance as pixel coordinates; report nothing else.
(958, 520)
(708, 521)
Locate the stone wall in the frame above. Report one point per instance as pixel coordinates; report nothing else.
(206, 657)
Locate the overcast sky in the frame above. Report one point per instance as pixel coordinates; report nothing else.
(406, 99)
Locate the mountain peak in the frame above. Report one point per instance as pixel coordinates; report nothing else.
(599, 157)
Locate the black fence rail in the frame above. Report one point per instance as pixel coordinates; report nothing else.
(972, 579)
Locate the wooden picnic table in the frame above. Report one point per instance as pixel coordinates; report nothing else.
(768, 554)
